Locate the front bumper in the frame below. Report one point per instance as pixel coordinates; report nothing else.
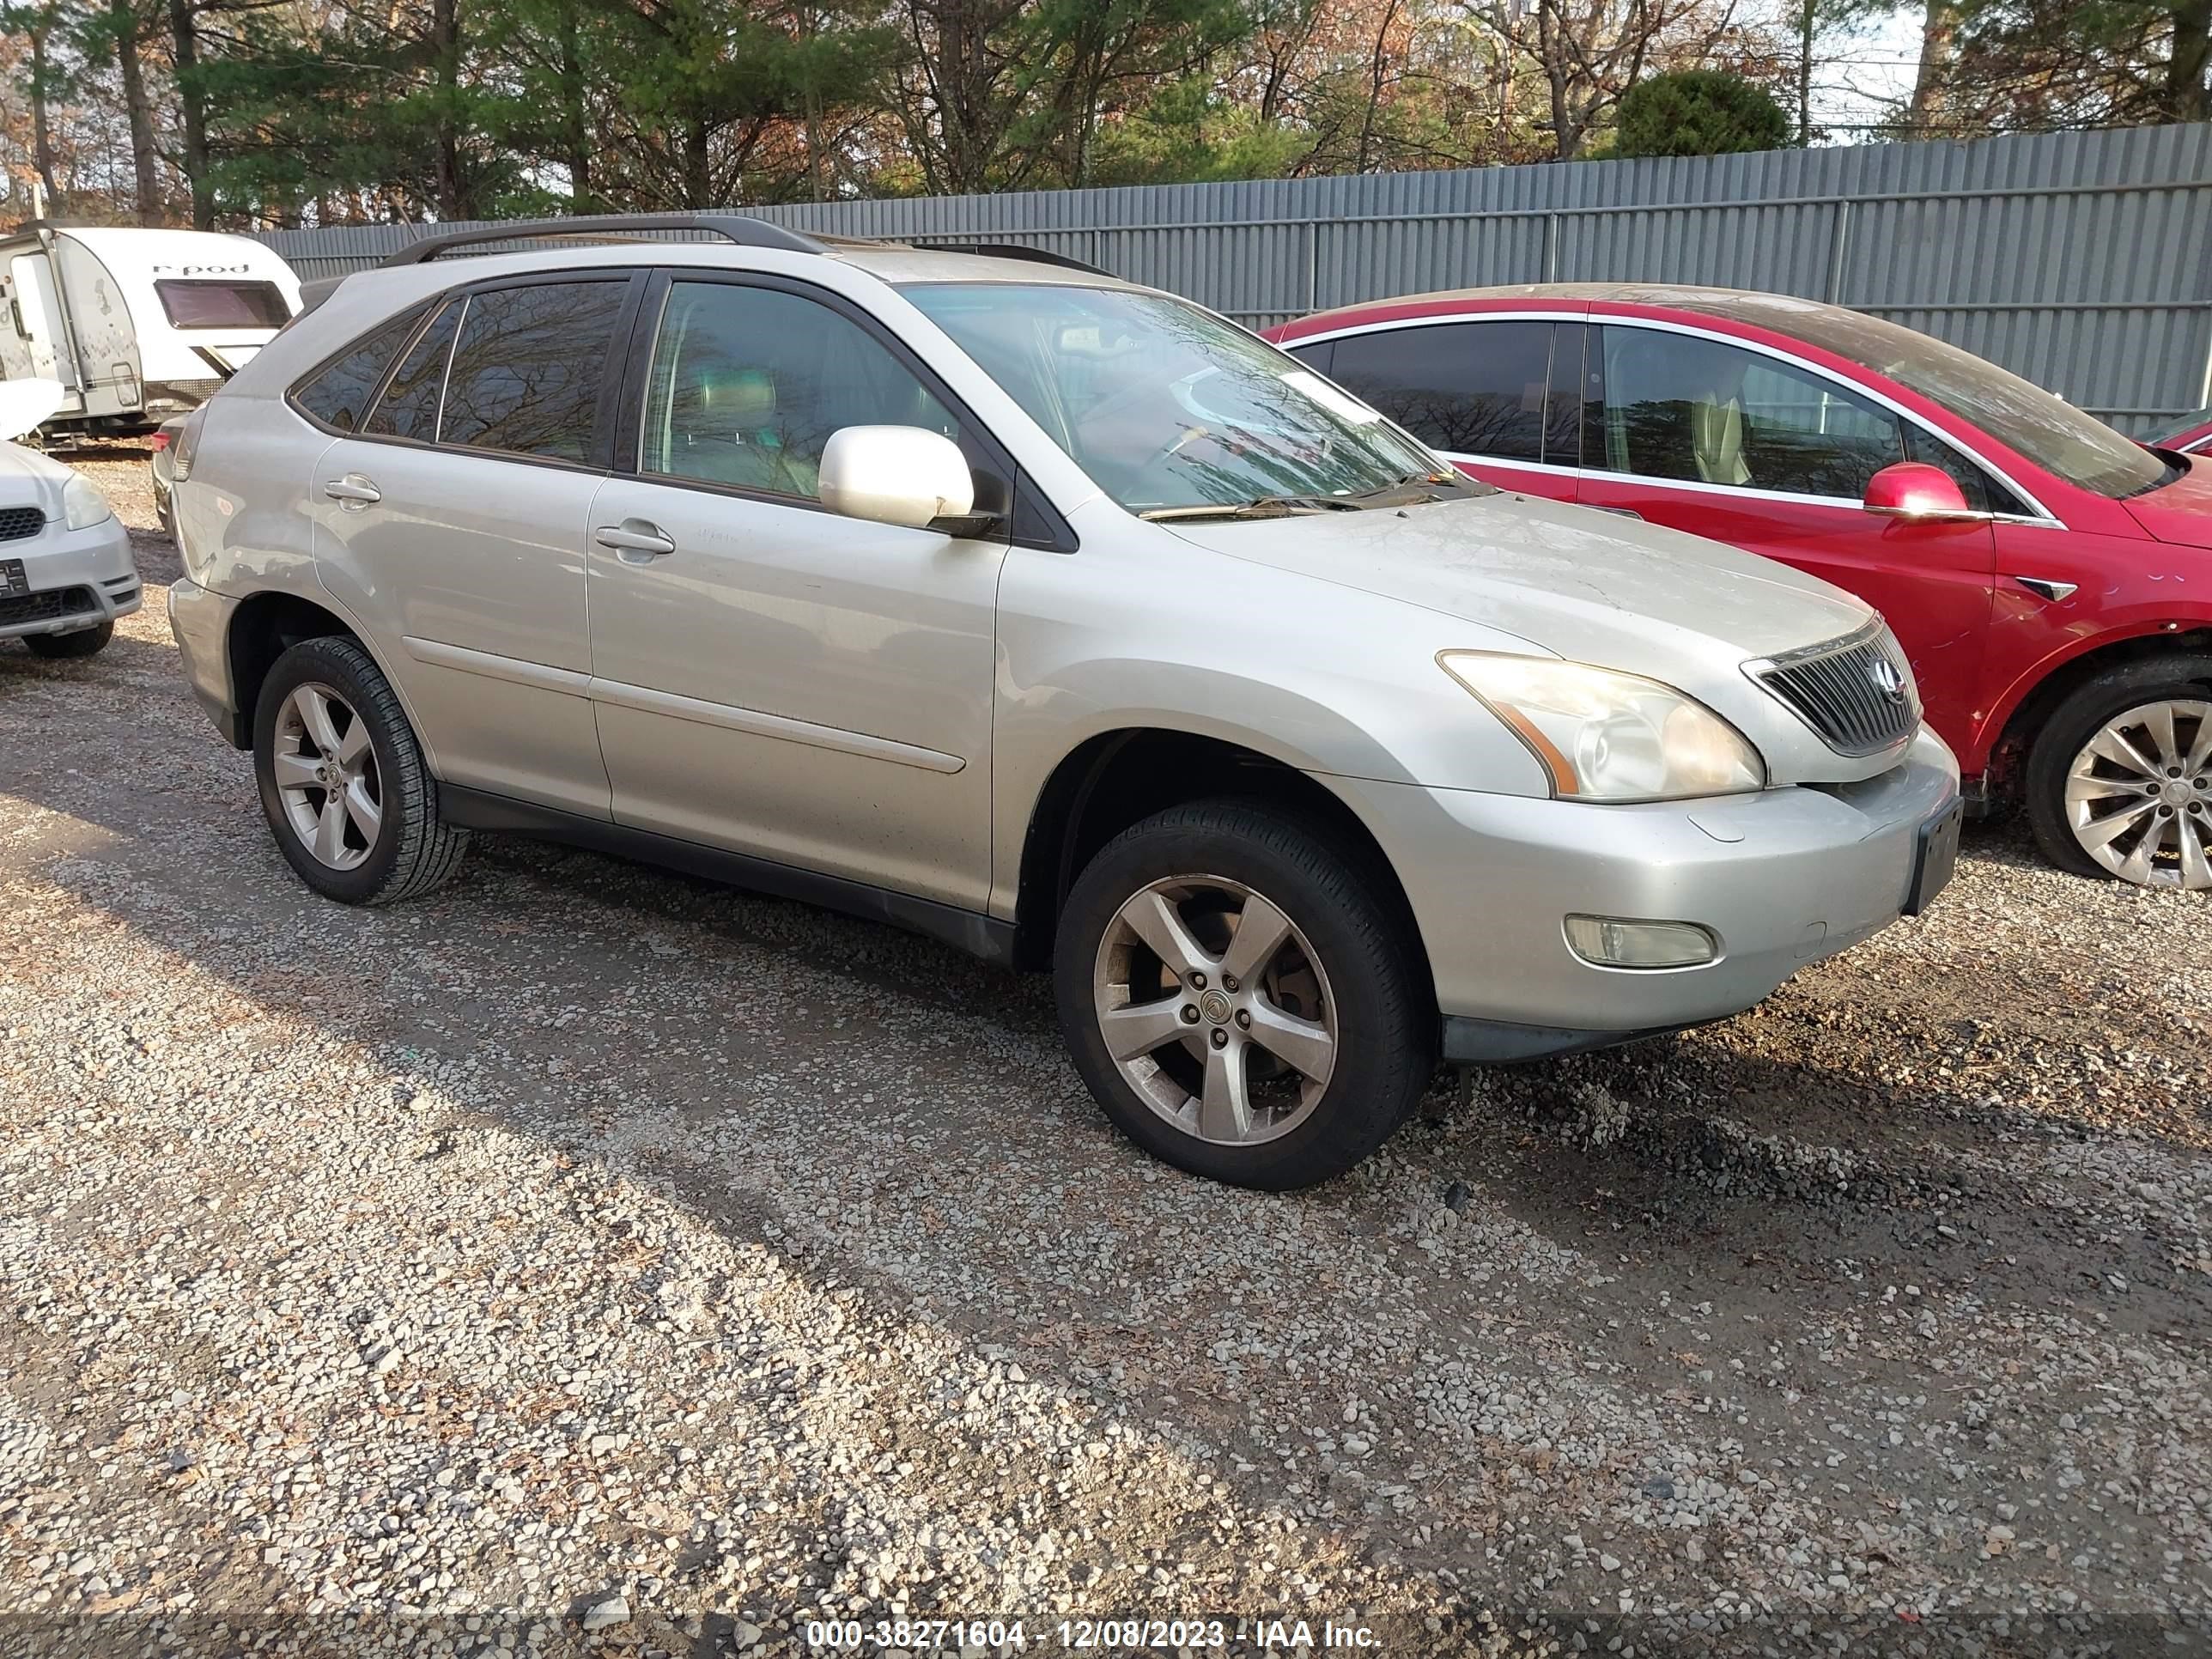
(78, 578)
(200, 618)
(1782, 878)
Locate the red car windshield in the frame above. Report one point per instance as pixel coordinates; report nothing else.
(2057, 437)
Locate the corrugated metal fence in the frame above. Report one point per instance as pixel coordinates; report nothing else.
(2081, 260)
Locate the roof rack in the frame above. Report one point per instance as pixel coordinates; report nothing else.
(741, 229)
(738, 227)
(1036, 256)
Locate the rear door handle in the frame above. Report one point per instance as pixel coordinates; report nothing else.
(353, 490)
(635, 541)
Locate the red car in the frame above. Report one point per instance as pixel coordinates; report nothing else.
(2192, 437)
(2051, 580)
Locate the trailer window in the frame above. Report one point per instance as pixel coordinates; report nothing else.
(191, 304)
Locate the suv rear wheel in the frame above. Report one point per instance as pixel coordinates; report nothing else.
(2119, 781)
(344, 784)
(1240, 998)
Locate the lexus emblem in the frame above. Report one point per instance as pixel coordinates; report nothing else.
(1886, 680)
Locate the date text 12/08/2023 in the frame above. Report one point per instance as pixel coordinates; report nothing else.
(1105, 1635)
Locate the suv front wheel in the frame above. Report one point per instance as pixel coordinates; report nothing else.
(1240, 997)
(344, 784)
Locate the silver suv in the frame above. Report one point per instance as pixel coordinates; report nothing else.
(1050, 615)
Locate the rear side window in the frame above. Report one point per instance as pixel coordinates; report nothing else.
(1473, 388)
(194, 304)
(409, 407)
(338, 394)
(528, 366)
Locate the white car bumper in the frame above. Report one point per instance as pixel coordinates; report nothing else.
(72, 579)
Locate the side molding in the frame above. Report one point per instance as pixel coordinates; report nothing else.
(982, 936)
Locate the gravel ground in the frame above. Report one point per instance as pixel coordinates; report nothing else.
(587, 1258)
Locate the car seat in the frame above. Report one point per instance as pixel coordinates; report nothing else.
(1717, 439)
(726, 427)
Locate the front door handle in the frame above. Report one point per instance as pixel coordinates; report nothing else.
(635, 541)
(352, 491)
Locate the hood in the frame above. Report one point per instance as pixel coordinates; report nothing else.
(26, 403)
(1589, 586)
(2181, 512)
(30, 479)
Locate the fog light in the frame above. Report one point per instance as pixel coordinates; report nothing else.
(1609, 942)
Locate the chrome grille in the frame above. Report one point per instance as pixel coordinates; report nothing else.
(17, 522)
(1857, 692)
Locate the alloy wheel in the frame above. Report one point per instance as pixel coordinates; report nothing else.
(2139, 794)
(326, 777)
(1215, 1009)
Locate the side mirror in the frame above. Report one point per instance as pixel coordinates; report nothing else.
(1919, 494)
(899, 475)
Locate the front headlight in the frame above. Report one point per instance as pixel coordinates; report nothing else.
(1609, 737)
(83, 507)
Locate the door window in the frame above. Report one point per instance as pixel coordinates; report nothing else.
(340, 391)
(528, 368)
(409, 407)
(1681, 406)
(1473, 388)
(747, 384)
(1982, 493)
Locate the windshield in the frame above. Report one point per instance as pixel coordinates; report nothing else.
(2051, 432)
(1165, 406)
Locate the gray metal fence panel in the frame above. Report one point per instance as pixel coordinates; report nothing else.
(2081, 260)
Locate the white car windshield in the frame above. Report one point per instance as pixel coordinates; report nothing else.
(1167, 407)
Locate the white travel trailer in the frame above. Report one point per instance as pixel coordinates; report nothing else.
(137, 325)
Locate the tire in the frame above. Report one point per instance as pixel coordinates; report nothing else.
(84, 642)
(1348, 966)
(411, 850)
(2058, 758)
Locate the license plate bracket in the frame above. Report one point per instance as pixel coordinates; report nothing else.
(1937, 859)
(12, 579)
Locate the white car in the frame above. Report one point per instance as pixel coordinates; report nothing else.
(65, 568)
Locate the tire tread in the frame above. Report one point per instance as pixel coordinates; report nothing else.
(428, 849)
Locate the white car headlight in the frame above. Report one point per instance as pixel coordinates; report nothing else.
(83, 507)
(1609, 737)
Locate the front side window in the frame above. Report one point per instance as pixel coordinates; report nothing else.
(749, 385)
(1165, 406)
(1684, 407)
(1471, 388)
(528, 367)
(338, 394)
(409, 407)
(2051, 432)
(191, 303)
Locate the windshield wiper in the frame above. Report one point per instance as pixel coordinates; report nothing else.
(1424, 483)
(1260, 506)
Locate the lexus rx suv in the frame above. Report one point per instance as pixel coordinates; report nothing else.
(1050, 615)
